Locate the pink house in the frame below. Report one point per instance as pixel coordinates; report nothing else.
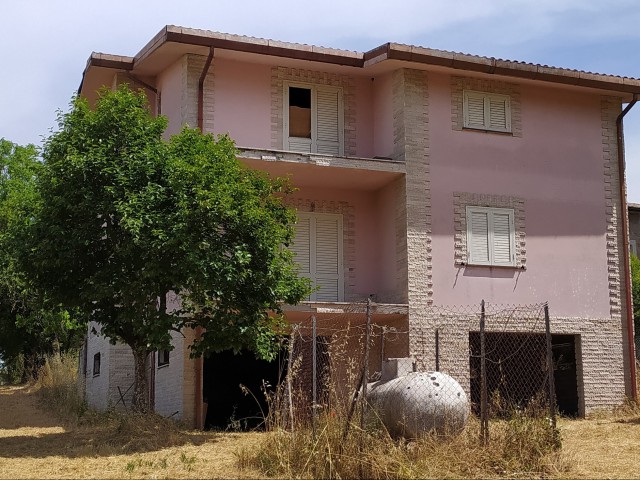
(425, 178)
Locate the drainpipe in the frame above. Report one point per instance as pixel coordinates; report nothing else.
(203, 75)
(625, 240)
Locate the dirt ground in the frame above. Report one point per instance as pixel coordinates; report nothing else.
(35, 445)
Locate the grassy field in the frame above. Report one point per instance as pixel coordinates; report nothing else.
(34, 444)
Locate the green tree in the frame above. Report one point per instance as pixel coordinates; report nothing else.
(30, 327)
(127, 219)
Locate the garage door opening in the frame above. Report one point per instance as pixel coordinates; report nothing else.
(516, 371)
(233, 389)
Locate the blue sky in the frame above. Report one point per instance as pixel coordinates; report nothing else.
(44, 44)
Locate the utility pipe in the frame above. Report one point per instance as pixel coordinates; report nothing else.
(203, 75)
(625, 241)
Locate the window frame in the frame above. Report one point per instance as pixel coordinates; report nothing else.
(163, 358)
(313, 142)
(96, 356)
(633, 247)
(490, 211)
(486, 99)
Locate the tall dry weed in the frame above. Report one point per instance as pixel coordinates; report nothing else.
(60, 391)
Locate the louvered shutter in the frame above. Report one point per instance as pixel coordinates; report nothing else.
(499, 113)
(490, 236)
(502, 238)
(327, 129)
(474, 111)
(478, 237)
(487, 111)
(318, 251)
(328, 265)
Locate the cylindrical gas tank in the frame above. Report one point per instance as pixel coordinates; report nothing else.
(420, 402)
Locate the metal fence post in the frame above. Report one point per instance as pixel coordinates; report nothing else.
(484, 414)
(365, 377)
(289, 374)
(314, 375)
(437, 349)
(550, 373)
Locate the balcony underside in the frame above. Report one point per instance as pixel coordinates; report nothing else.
(316, 170)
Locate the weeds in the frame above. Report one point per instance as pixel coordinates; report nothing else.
(59, 387)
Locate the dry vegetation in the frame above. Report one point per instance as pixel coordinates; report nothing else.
(36, 443)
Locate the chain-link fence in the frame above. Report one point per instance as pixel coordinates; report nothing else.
(489, 362)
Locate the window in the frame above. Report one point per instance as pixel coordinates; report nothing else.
(313, 119)
(490, 236)
(318, 252)
(163, 358)
(487, 111)
(96, 364)
(633, 247)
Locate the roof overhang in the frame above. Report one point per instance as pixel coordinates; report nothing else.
(173, 42)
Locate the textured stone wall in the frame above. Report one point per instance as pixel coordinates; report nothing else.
(193, 65)
(610, 109)
(411, 140)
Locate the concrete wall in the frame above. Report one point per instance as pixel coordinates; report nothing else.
(169, 380)
(97, 386)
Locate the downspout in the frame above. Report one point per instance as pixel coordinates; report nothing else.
(203, 75)
(625, 240)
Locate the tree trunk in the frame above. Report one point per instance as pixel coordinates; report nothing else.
(141, 382)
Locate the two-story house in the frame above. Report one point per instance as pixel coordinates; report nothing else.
(424, 177)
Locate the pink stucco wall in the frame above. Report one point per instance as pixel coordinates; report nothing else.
(243, 102)
(557, 167)
(169, 83)
(243, 99)
(383, 116)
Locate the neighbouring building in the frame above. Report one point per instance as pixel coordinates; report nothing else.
(634, 227)
(425, 177)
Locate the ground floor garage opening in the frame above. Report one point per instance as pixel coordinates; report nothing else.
(233, 389)
(516, 370)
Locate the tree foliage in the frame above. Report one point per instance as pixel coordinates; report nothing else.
(128, 219)
(30, 326)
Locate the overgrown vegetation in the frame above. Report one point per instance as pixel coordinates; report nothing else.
(522, 445)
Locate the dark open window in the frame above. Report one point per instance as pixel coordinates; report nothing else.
(163, 358)
(299, 112)
(96, 364)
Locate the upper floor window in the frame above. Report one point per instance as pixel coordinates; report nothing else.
(487, 111)
(491, 236)
(313, 119)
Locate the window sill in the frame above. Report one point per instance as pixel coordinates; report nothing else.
(163, 365)
(485, 130)
(501, 267)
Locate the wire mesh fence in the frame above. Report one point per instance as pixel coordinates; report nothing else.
(488, 362)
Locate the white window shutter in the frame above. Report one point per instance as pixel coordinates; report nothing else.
(328, 124)
(502, 238)
(478, 237)
(490, 236)
(474, 110)
(487, 111)
(499, 113)
(318, 252)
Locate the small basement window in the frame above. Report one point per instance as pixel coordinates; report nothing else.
(163, 358)
(96, 364)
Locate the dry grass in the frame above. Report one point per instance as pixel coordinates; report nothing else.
(36, 444)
